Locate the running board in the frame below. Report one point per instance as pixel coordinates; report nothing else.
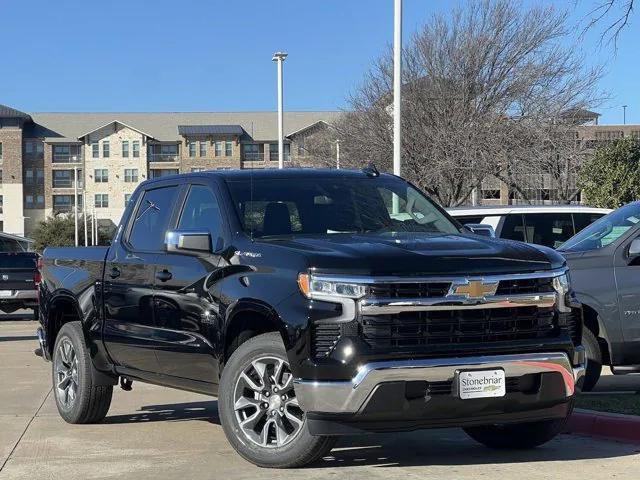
(625, 369)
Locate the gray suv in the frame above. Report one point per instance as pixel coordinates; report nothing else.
(604, 261)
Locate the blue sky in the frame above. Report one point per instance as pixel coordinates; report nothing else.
(198, 55)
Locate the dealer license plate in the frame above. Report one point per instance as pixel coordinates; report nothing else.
(481, 384)
(5, 293)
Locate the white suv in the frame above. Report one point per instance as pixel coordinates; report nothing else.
(544, 225)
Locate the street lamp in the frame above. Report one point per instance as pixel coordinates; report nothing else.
(338, 154)
(279, 57)
(624, 114)
(397, 86)
(75, 200)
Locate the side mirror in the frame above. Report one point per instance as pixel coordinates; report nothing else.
(634, 249)
(481, 229)
(188, 242)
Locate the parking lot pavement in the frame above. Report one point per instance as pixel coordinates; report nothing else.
(159, 433)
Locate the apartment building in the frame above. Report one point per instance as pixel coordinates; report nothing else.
(44, 155)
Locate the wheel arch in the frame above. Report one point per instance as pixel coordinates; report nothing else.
(594, 324)
(247, 319)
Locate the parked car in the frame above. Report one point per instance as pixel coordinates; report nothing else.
(543, 225)
(19, 278)
(604, 259)
(312, 307)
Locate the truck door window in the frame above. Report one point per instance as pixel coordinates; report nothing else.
(201, 212)
(151, 219)
(548, 229)
(513, 228)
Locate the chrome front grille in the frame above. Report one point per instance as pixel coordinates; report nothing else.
(410, 290)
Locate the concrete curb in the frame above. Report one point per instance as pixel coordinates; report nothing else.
(612, 426)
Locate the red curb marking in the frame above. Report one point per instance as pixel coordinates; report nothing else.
(613, 426)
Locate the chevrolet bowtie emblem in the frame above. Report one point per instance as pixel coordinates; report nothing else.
(474, 289)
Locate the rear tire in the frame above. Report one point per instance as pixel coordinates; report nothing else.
(519, 436)
(594, 360)
(257, 384)
(77, 398)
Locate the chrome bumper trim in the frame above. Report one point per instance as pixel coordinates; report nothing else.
(387, 306)
(351, 396)
(31, 294)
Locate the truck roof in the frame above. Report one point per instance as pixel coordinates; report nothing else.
(274, 173)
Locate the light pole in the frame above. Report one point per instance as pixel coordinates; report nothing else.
(624, 114)
(279, 57)
(397, 86)
(338, 154)
(75, 201)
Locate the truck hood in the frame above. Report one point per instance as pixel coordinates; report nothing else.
(420, 254)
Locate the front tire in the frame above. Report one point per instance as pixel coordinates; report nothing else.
(519, 436)
(259, 411)
(77, 398)
(594, 360)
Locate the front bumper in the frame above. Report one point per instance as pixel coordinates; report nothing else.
(353, 397)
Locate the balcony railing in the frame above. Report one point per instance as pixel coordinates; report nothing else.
(253, 156)
(163, 157)
(273, 156)
(66, 183)
(66, 158)
(62, 209)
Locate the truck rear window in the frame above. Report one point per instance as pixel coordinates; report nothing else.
(324, 206)
(17, 260)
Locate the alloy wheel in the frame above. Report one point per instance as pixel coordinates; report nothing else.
(66, 374)
(265, 404)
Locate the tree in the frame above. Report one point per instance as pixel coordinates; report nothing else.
(58, 231)
(617, 13)
(611, 177)
(484, 93)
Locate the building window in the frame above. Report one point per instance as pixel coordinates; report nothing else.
(251, 152)
(64, 203)
(162, 172)
(203, 149)
(125, 149)
(40, 200)
(40, 175)
(218, 148)
(29, 201)
(136, 148)
(28, 176)
(101, 175)
(163, 153)
(273, 151)
(66, 153)
(105, 148)
(127, 198)
(101, 200)
(130, 175)
(1, 204)
(491, 194)
(192, 149)
(0, 175)
(95, 150)
(64, 178)
(29, 150)
(0, 150)
(302, 151)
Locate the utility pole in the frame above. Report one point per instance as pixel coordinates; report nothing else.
(279, 57)
(624, 114)
(84, 215)
(338, 154)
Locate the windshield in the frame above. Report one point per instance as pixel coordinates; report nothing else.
(333, 205)
(605, 230)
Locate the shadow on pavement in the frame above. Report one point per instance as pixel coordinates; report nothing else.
(445, 447)
(26, 316)
(207, 411)
(18, 339)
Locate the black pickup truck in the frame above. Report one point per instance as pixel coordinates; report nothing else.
(313, 304)
(19, 278)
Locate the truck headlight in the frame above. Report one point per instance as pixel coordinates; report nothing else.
(324, 288)
(562, 286)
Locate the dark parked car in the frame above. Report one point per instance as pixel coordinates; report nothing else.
(19, 278)
(313, 304)
(604, 259)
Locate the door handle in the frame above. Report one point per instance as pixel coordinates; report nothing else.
(115, 272)
(164, 275)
